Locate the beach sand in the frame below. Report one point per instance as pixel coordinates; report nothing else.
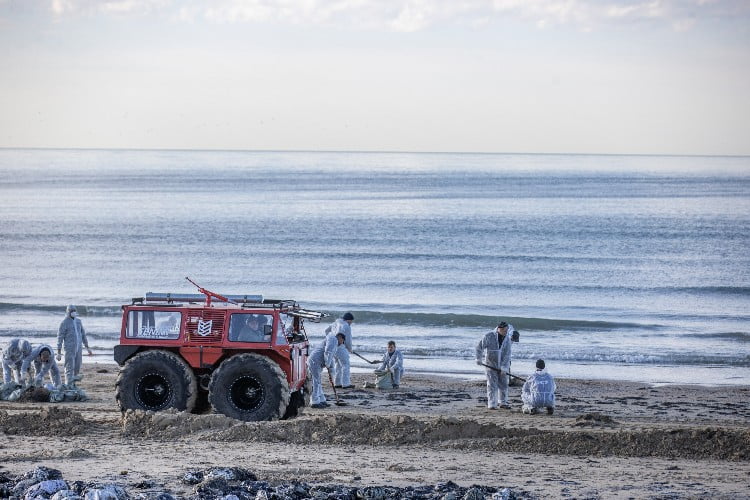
(607, 439)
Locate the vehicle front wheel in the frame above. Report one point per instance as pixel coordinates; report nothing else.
(249, 387)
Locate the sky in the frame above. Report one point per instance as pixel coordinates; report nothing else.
(522, 76)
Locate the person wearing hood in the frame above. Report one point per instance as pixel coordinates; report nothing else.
(393, 363)
(43, 359)
(252, 331)
(538, 391)
(71, 337)
(493, 352)
(341, 359)
(322, 357)
(13, 356)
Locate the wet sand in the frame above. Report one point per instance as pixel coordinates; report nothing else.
(607, 439)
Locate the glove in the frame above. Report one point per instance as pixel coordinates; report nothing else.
(479, 363)
(58, 357)
(89, 350)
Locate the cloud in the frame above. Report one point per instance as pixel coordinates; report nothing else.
(415, 15)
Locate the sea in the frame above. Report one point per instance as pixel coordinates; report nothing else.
(611, 267)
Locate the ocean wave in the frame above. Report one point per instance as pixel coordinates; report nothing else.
(6, 334)
(375, 317)
(83, 310)
(584, 357)
(742, 291)
(739, 336)
(739, 360)
(447, 320)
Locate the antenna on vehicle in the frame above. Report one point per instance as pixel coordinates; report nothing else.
(209, 294)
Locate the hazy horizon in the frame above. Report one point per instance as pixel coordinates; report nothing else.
(664, 77)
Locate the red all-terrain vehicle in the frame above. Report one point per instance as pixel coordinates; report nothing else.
(244, 355)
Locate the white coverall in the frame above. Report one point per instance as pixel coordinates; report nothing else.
(393, 362)
(342, 377)
(490, 352)
(41, 369)
(320, 357)
(72, 336)
(538, 391)
(13, 357)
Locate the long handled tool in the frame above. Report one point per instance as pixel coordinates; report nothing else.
(501, 372)
(365, 359)
(330, 379)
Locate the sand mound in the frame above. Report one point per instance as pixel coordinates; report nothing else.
(48, 421)
(171, 424)
(353, 429)
(594, 419)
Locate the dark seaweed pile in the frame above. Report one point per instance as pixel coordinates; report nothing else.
(232, 483)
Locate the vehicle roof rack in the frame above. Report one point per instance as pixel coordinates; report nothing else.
(199, 297)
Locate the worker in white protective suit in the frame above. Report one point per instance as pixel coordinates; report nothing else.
(341, 359)
(44, 364)
(392, 364)
(71, 337)
(322, 357)
(13, 356)
(493, 352)
(538, 391)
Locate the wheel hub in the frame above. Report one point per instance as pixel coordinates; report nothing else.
(246, 393)
(153, 391)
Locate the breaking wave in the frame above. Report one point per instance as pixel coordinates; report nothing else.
(83, 310)
(447, 320)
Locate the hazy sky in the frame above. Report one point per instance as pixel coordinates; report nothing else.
(588, 76)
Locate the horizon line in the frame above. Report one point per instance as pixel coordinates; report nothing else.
(364, 151)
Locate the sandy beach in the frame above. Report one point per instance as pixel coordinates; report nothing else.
(607, 439)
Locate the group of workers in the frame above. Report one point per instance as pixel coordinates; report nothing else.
(493, 352)
(19, 357)
(332, 353)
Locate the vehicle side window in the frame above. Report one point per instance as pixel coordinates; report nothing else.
(280, 333)
(250, 327)
(154, 325)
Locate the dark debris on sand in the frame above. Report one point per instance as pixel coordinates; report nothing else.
(233, 483)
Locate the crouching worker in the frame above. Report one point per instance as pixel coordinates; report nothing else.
(44, 364)
(13, 355)
(391, 368)
(322, 357)
(538, 391)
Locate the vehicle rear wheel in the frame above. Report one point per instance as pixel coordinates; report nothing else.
(249, 387)
(156, 380)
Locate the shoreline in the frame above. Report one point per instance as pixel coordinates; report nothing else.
(607, 439)
(361, 368)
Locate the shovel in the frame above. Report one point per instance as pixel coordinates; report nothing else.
(500, 372)
(338, 401)
(365, 359)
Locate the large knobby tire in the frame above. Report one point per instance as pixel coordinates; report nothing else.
(249, 387)
(156, 380)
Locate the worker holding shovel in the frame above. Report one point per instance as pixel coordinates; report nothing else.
(493, 352)
(322, 357)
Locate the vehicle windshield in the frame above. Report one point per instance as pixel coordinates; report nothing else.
(154, 325)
